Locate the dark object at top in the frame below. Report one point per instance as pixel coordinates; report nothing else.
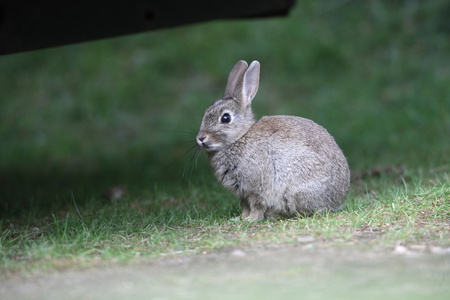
(34, 24)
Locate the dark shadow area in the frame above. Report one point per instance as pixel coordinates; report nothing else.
(45, 187)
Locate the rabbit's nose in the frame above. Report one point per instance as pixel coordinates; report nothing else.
(201, 140)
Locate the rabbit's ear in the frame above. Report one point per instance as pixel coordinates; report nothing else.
(235, 77)
(250, 83)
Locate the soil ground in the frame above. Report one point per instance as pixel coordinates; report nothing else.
(258, 272)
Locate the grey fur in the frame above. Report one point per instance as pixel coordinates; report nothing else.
(277, 166)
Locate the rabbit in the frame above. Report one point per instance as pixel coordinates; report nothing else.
(279, 166)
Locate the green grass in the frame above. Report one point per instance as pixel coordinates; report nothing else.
(77, 120)
(414, 213)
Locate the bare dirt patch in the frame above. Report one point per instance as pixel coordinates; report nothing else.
(263, 272)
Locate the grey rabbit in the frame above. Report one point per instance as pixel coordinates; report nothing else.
(279, 166)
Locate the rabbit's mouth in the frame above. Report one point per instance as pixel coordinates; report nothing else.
(206, 146)
(203, 142)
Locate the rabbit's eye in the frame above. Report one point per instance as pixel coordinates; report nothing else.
(226, 118)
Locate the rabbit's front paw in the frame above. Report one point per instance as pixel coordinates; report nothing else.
(254, 217)
(245, 209)
(253, 208)
(256, 214)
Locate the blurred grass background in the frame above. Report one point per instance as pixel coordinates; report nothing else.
(78, 119)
